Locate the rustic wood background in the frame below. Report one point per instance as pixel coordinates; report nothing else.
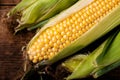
(11, 57)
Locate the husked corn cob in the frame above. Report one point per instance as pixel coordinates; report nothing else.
(53, 39)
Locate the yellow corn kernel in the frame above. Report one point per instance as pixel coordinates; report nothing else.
(55, 38)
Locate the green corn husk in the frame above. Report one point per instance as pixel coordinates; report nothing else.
(85, 67)
(101, 60)
(106, 69)
(72, 63)
(34, 12)
(110, 57)
(24, 4)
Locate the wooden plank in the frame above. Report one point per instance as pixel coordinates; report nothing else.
(8, 2)
(11, 57)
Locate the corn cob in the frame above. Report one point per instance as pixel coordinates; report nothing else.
(92, 64)
(33, 12)
(20, 7)
(85, 68)
(74, 29)
(101, 60)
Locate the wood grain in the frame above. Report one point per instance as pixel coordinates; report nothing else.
(11, 57)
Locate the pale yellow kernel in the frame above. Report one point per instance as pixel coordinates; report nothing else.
(46, 40)
(40, 58)
(79, 20)
(80, 13)
(64, 44)
(38, 40)
(71, 38)
(54, 39)
(102, 3)
(42, 53)
(97, 2)
(34, 60)
(49, 50)
(58, 36)
(68, 23)
(99, 13)
(93, 17)
(41, 44)
(61, 46)
(77, 35)
(53, 28)
(81, 24)
(85, 15)
(90, 11)
(95, 14)
(65, 37)
(73, 18)
(71, 21)
(82, 17)
(58, 42)
(45, 35)
(94, 4)
(43, 49)
(57, 26)
(62, 39)
(80, 32)
(87, 20)
(67, 42)
(84, 23)
(35, 57)
(50, 43)
(77, 15)
(62, 33)
(33, 51)
(68, 33)
(30, 57)
(29, 51)
(61, 28)
(90, 7)
(94, 9)
(46, 46)
(35, 43)
(104, 8)
(37, 50)
(64, 21)
(32, 48)
(51, 33)
(45, 57)
(55, 45)
(55, 32)
(76, 22)
(51, 54)
(60, 24)
(54, 49)
(38, 54)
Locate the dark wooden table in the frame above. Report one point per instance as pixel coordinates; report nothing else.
(11, 57)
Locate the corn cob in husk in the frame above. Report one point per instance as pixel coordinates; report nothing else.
(37, 12)
(73, 29)
(103, 59)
